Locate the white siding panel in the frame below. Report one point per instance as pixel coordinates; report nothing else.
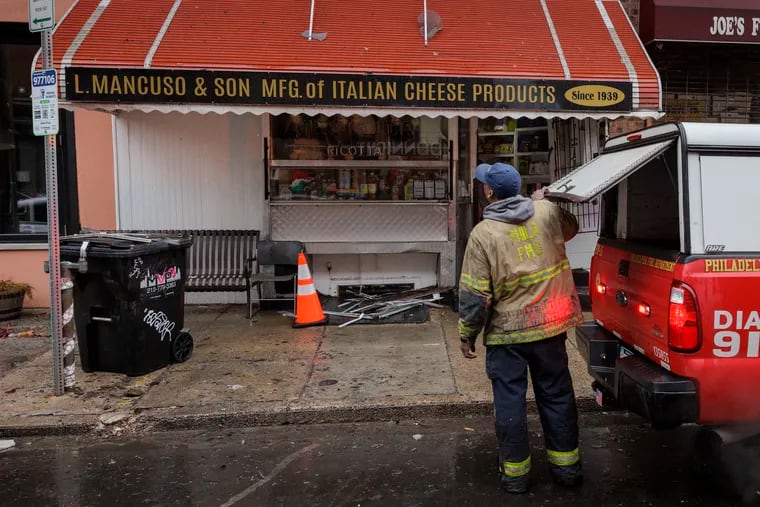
(417, 269)
(190, 171)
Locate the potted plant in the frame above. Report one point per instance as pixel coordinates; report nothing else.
(12, 298)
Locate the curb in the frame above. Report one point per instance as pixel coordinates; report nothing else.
(146, 422)
(336, 415)
(321, 415)
(47, 430)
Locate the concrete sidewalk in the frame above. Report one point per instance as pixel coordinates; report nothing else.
(265, 372)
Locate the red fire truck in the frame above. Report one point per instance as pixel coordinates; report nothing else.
(675, 276)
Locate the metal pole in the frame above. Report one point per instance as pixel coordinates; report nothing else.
(54, 253)
(424, 15)
(311, 18)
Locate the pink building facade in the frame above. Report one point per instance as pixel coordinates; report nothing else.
(87, 190)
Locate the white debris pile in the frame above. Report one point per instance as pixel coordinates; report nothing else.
(362, 306)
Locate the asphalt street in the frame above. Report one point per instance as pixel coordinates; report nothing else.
(405, 463)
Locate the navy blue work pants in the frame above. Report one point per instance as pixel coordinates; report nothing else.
(507, 367)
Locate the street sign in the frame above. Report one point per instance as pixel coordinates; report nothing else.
(45, 102)
(41, 15)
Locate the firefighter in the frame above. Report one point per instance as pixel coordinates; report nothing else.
(517, 286)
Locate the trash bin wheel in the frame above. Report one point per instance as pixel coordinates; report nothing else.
(182, 348)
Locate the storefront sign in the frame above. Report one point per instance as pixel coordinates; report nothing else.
(362, 90)
(700, 21)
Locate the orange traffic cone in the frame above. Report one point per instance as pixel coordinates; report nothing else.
(308, 308)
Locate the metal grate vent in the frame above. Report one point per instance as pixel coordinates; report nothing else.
(709, 82)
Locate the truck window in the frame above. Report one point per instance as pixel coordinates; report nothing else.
(729, 202)
(644, 207)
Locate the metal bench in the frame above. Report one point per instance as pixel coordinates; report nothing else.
(218, 260)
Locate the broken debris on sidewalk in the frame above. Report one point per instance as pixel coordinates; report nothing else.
(408, 306)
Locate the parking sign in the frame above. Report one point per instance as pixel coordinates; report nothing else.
(41, 15)
(45, 102)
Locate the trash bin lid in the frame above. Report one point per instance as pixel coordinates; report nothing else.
(120, 244)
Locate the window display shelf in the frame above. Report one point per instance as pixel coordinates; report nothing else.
(530, 129)
(362, 164)
(353, 202)
(359, 159)
(492, 134)
(522, 143)
(330, 181)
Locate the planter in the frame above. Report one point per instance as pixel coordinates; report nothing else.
(11, 303)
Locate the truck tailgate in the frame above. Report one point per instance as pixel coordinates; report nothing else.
(630, 297)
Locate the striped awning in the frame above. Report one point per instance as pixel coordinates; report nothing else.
(548, 58)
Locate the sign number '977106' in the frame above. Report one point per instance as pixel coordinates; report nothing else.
(45, 102)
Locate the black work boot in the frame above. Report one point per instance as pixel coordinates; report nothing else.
(568, 476)
(516, 485)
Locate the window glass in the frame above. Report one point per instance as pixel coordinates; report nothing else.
(359, 158)
(23, 204)
(302, 137)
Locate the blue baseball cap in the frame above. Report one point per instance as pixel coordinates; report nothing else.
(503, 179)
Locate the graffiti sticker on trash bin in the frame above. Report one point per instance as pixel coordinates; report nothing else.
(160, 322)
(136, 268)
(160, 283)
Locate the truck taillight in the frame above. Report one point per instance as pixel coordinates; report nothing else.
(683, 320)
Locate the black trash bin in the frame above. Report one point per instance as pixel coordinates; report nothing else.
(129, 300)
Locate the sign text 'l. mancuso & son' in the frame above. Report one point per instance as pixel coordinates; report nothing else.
(361, 90)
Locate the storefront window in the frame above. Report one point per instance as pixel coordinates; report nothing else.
(359, 158)
(23, 204)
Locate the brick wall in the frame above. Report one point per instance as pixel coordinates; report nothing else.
(632, 8)
(624, 125)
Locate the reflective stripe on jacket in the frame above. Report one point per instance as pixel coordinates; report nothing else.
(516, 281)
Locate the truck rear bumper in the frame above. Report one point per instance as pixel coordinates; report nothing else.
(637, 383)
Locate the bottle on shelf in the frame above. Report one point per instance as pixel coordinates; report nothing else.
(418, 186)
(372, 186)
(429, 192)
(408, 187)
(362, 185)
(383, 190)
(440, 187)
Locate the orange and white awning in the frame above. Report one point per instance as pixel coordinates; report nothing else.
(550, 58)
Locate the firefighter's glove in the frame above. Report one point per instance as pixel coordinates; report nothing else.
(467, 346)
